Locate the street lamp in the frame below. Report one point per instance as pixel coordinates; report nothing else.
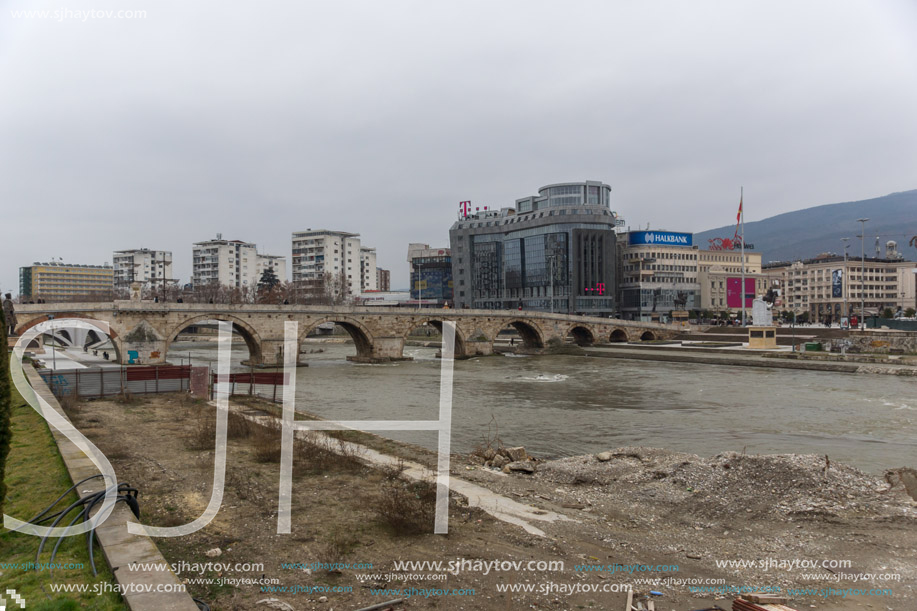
(846, 281)
(863, 272)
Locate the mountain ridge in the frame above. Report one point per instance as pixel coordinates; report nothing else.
(806, 233)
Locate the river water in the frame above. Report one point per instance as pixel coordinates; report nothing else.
(567, 405)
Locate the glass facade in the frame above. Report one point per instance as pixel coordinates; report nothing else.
(431, 278)
(554, 252)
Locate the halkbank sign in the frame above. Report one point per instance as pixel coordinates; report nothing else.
(662, 238)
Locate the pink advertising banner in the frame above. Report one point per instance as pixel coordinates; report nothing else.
(733, 296)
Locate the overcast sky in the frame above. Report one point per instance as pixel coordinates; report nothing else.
(378, 117)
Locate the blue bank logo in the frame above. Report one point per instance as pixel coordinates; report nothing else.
(664, 238)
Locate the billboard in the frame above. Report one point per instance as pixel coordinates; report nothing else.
(433, 283)
(837, 283)
(660, 238)
(733, 292)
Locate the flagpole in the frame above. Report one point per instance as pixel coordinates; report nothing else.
(742, 215)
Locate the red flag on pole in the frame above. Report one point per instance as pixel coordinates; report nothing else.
(738, 219)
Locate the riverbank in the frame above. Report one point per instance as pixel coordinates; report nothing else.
(750, 358)
(634, 507)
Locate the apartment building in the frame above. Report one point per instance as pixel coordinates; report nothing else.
(276, 262)
(153, 268)
(383, 279)
(368, 276)
(321, 253)
(230, 263)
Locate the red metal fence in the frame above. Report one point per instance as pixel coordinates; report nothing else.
(107, 381)
(262, 383)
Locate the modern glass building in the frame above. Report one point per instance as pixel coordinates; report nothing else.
(431, 273)
(551, 252)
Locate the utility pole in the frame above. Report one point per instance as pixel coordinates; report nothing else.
(863, 272)
(742, 221)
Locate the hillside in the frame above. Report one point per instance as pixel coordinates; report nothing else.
(806, 233)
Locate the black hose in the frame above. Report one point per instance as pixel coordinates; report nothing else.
(124, 493)
(201, 605)
(60, 498)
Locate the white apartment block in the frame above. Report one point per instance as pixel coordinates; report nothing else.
(231, 263)
(319, 253)
(368, 279)
(277, 262)
(151, 267)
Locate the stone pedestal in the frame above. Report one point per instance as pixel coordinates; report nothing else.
(762, 338)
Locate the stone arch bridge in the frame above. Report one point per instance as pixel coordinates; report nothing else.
(147, 329)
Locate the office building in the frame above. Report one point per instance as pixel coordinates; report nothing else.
(550, 252)
(820, 287)
(659, 280)
(152, 268)
(720, 279)
(56, 281)
(430, 272)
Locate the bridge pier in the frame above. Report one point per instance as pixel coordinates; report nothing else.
(475, 347)
(270, 354)
(382, 350)
(149, 352)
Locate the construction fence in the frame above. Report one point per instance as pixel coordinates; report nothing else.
(100, 382)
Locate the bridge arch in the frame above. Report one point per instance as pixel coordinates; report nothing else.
(582, 335)
(63, 316)
(532, 336)
(618, 336)
(362, 338)
(245, 330)
(437, 323)
(648, 336)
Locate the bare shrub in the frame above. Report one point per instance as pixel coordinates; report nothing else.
(319, 454)
(117, 451)
(491, 444)
(70, 403)
(406, 507)
(238, 426)
(336, 547)
(243, 485)
(203, 429)
(266, 442)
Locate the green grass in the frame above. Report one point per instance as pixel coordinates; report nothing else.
(35, 476)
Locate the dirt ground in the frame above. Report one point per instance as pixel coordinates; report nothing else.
(636, 506)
